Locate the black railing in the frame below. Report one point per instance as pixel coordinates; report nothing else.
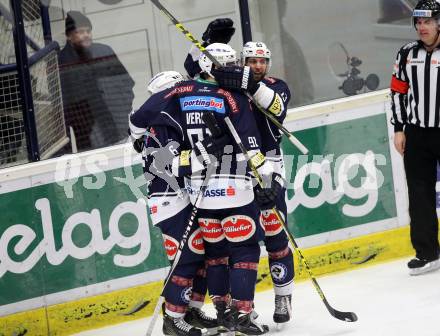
(40, 54)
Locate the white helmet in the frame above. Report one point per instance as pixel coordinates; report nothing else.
(164, 80)
(223, 53)
(256, 49)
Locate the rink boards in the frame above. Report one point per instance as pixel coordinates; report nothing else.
(73, 253)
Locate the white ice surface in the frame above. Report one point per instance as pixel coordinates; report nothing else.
(386, 299)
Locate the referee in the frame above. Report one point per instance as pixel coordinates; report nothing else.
(415, 104)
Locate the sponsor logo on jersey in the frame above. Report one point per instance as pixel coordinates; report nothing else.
(278, 271)
(275, 107)
(230, 191)
(179, 90)
(221, 192)
(413, 61)
(231, 101)
(238, 228)
(195, 242)
(192, 103)
(204, 89)
(211, 229)
(272, 226)
(170, 244)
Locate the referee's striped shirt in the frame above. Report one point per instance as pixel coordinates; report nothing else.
(415, 90)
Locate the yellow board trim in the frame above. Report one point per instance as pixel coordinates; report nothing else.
(106, 309)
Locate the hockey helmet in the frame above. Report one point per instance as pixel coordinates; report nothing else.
(223, 53)
(426, 9)
(164, 80)
(256, 49)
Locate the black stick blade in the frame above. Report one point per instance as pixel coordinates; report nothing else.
(343, 316)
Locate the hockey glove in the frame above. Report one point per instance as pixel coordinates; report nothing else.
(236, 78)
(219, 30)
(266, 196)
(138, 144)
(211, 146)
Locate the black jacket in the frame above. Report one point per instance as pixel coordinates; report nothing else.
(97, 94)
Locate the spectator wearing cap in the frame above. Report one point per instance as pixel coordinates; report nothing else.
(96, 87)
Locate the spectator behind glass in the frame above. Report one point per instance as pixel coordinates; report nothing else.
(96, 87)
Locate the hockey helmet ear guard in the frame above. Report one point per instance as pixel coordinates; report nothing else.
(256, 49)
(164, 80)
(426, 9)
(223, 53)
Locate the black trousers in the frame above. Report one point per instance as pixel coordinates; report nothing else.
(422, 153)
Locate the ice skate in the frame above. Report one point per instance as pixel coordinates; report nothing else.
(197, 318)
(177, 326)
(283, 310)
(245, 324)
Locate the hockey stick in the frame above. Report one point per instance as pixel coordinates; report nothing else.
(344, 316)
(179, 251)
(210, 169)
(190, 37)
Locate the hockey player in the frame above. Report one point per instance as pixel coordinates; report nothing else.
(272, 94)
(229, 217)
(170, 210)
(231, 231)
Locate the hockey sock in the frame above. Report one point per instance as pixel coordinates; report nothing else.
(200, 287)
(177, 293)
(282, 271)
(243, 273)
(217, 275)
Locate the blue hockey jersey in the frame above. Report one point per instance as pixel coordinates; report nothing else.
(181, 109)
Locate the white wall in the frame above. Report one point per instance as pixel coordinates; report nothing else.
(144, 39)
